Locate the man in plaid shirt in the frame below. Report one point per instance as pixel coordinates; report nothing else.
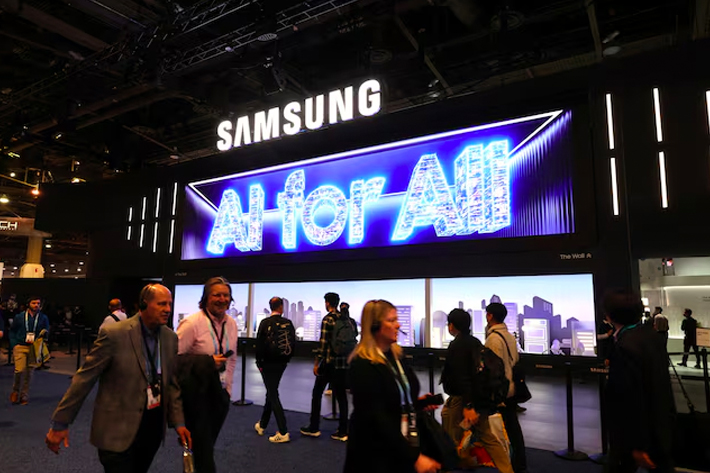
(329, 368)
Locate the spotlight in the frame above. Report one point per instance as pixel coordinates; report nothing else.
(12, 174)
(58, 135)
(66, 270)
(77, 180)
(35, 191)
(48, 245)
(4, 199)
(51, 265)
(81, 263)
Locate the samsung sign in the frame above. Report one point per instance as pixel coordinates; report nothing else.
(311, 114)
(506, 179)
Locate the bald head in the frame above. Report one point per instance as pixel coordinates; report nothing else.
(158, 305)
(114, 305)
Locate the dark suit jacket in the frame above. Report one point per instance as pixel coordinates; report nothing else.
(375, 441)
(117, 361)
(639, 394)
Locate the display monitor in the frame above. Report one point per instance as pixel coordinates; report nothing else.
(512, 178)
(547, 314)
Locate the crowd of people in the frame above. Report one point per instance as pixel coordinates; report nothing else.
(183, 379)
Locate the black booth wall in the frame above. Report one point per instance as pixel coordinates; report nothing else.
(642, 229)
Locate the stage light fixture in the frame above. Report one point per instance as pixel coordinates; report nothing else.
(35, 191)
(4, 199)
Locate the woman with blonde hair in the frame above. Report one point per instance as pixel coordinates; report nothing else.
(383, 436)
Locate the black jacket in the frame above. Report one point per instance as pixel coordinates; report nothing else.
(689, 326)
(375, 442)
(639, 394)
(459, 374)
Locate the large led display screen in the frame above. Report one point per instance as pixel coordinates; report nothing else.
(551, 314)
(305, 306)
(187, 298)
(506, 179)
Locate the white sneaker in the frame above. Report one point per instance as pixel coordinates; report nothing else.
(258, 428)
(279, 438)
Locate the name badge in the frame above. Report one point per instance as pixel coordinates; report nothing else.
(404, 425)
(223, 379)
(30, 337)
(153, 398)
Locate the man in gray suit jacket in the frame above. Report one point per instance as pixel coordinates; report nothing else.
(134, 362)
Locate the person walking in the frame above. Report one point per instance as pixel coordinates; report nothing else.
(275, 345)
(133, 362)
(689, 327)
(383, 437)
(27, 327)
(207, 345)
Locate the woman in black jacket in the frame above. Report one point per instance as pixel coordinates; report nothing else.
(383, 392)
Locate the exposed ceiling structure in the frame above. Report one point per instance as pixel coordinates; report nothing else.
(90, 88)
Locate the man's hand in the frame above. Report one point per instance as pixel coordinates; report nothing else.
(54, 439)
(471, 416)
(219, 361)
(643, 460)
(184, 437)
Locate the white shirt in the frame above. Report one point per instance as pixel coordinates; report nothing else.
(498, 346)
(110, 320)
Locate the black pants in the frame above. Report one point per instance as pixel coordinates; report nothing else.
(338, 383)
(139, 456)
(204, 419)
(515, 435)
(272, 374)
(620, 459)
(687, 345)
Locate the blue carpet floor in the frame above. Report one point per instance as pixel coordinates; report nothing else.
(239, 449)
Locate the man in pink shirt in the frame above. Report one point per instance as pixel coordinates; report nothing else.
(207, 343)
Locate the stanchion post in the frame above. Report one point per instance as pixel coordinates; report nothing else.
(706, 379)
(600, 458)
(71, 345)
(243, 401)
(570, 453)
(431, 372)
(78, 350)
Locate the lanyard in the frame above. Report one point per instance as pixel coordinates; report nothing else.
(27, 320)
(402, 382)
(152, 357)
(624, 329)
(218, 347)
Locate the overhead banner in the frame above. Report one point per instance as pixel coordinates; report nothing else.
(501, 180)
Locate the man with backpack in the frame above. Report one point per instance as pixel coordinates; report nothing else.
(115, 313)
(337, 341)
(275, 345)
(474, 378)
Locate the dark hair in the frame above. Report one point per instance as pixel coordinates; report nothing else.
(208, 287)
(623, 306)
(689, 312)
(659, 309)
(460, 319)
(333, 299)
(345, 309)
(276, 303)
(498, 311)
(34, 298)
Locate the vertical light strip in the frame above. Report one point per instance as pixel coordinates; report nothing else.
(172, 235)
(174, 199)
(664, 184)
(130, 224)
(142, 234)
(707, 104)
(145, 202)
(657, 113)
(610, 122)
(614, 187)
(155, 237)
(157, 203)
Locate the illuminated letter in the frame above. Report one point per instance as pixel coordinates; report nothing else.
(228, 225)
(428, 202)
(315, 121)
(266, 128)
(243, 133)
(256, 217)
(360, 193)
(223, 131)
(339, 104)
(324, 196)
(288, 201)
(368, 98)
(293, 121)
(497, 187)
(468, 172)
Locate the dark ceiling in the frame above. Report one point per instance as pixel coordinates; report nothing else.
(90, 89)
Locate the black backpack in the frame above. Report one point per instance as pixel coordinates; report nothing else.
(343, 342)
(280, 339)
(491, 376)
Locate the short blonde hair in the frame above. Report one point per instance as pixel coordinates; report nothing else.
(373, 314)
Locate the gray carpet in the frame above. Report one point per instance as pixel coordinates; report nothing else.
(22, 449)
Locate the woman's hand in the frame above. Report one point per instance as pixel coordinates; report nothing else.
(425, 464)
(431, 407)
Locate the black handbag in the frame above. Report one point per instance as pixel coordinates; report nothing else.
(522, 393)
(691, 448)
(435, 443)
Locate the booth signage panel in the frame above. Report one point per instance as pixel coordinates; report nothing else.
(507, 179)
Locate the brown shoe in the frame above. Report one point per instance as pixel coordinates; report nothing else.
(24, 399)
(15, 397)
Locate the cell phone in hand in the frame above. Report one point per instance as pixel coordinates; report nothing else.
(433, 400)
(229, 353)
